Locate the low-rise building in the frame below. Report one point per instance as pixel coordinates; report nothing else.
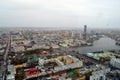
(98, 77)
(115, 62)
(56, 65)
(113, 75)
(11, 77)
(20, 66)
(11, 69)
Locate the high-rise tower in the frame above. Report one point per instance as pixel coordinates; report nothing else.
(85, 32)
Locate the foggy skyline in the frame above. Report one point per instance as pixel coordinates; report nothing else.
(60, 13)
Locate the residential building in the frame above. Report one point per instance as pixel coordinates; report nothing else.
(115, 62)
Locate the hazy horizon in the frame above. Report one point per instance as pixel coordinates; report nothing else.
(60, 28)
(60, 13)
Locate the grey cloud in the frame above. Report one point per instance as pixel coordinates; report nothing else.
(64, 13)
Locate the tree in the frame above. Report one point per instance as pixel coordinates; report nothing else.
(88, 74)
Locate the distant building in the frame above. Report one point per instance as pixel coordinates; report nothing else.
(85, 32)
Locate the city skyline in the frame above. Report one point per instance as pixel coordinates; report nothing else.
(60, 13)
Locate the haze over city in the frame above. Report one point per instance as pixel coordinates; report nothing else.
(60, 13)
(59, 40)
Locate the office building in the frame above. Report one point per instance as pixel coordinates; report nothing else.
(85, 32)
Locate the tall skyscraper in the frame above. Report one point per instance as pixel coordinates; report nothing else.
(85, 32)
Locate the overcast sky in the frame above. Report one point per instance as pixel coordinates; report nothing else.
(60, 13)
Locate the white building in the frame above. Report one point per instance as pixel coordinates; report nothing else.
(11, 69)
(11, 77)
(98, 77)
(115, 62)
(41, 61)
(103, 71)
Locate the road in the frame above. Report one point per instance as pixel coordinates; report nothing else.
(5, 56)
(7, 49)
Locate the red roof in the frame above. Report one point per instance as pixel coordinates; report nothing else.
(44, 52)
(31, 71)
